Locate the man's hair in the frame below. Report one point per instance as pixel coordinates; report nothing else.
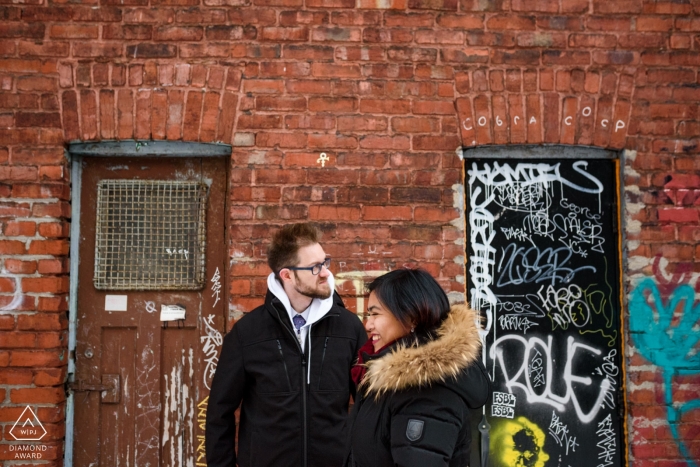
(284, 249)
(413, 297)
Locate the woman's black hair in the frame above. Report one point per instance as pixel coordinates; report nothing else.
(413, 297)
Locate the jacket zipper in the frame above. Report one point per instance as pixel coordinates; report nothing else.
(323, 357)
(279, 347)
(305, 461)
(303, 399)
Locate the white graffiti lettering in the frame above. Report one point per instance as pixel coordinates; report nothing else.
(502, 411)
(610, 370)
(560, 432)
(504, 398)
(606, 442)
(566, 306)
(521, 379)
(536, 370)
(216, 286)
(212, 340)
(515, 323)
(511, 232)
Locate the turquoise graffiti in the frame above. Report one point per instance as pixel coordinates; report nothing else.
(665, 333)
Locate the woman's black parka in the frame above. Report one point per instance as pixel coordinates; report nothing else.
(413, 409)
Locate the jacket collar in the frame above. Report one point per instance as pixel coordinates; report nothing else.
(456, 347)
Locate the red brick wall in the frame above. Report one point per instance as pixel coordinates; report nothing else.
(388, 90)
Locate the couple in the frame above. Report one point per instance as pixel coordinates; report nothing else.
(292, 364)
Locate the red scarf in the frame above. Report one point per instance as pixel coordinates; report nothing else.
(358, 371)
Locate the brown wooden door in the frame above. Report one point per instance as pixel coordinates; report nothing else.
(141, 388)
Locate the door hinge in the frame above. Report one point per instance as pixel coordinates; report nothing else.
(110, 388)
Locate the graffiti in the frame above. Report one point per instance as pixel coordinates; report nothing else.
(526, 265)
(560, 433)
(606, 442)
(565, 306)
(511, 232)
(610, 370)
(519, 120)
(503, 405)
(211, 340)
(515, 323)
(579, 233)
(201, 439)
(216, 286)
(521, 379)
(665, 333)
(518, 442)
(150, 307)
(535, 371)
(539, 273)
(482, 258)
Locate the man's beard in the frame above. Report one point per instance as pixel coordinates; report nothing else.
(311, 292)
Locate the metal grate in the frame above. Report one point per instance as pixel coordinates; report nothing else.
(150, 235)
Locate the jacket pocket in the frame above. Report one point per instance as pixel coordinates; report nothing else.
(336, 361)
(284, 364)
(267, 368)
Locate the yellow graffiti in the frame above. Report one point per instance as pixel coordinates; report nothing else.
(202, 412)
(518, 443)
(201, 439)
(201, 451)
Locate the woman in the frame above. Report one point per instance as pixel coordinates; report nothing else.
(419, 375)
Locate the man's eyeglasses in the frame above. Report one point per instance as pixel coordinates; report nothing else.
(315, 269)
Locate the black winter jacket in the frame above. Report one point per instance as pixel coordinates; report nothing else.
(413, 406)
(284, 422)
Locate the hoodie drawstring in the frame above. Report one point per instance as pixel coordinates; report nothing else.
(308, 361)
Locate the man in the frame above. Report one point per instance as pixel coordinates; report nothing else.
(287, 364)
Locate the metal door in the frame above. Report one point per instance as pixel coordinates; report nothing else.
(141, 384)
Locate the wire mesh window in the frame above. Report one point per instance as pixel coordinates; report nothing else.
(150, 235)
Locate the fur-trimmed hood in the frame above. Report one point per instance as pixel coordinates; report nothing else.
(455, 348)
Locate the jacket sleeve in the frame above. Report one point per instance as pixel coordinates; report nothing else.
(227, 390)
(424, 429)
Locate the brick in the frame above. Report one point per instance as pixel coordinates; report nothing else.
(332, 104)
(37, 395)
(37, 83)
(364, 195)
(17, 266)
(45, 285)
(321, 212)
(20, 229)
(390, 106)
(285, 34)
(520, 23)
(415, 195)
(434, 107)
(465, 55)
(384, 142)
(12, 247)
(680, 215)
(282, 140)
(323, 141)
(387, 213)
(435, 143)
(417, 233)
(411, 124)
(20, 358)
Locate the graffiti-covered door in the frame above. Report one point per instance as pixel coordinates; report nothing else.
(544, 271)
(150, 308)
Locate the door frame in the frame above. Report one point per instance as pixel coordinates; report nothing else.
(117, 149)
